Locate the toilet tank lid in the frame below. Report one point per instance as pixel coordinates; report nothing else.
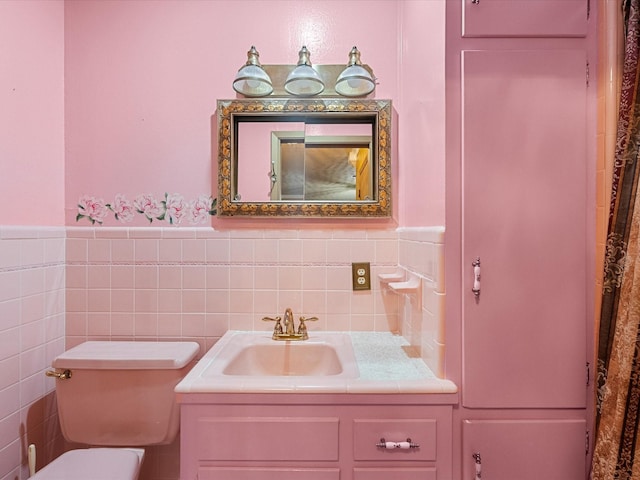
(127, 355)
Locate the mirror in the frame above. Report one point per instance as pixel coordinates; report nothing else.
(303, 157)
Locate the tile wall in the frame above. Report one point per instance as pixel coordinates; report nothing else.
(421, 255)
(32, 282)
(197, 283)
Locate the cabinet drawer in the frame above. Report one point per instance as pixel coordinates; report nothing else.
(368, 432)
(257, 473)
(394, 473)
(267, 438)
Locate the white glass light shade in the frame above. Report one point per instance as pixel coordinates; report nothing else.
(251, 80)
(304, 80)
(355, 80)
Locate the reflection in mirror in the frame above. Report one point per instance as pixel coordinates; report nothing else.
(322, 168)
(304, 157)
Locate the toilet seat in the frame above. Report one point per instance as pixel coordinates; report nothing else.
(94, 464)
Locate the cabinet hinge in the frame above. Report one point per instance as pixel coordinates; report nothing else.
(587, 443)
(587, 74)
(588, 373)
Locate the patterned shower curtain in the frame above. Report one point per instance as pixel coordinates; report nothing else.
(617, 449)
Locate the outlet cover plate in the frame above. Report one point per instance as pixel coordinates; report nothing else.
(361, 276)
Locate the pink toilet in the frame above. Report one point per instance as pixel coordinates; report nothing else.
(116, 394)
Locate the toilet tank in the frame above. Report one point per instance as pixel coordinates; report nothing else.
(121, 393)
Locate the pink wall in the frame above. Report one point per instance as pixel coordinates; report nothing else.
(32, 118)
(142, 79)
(421, 140)
(254, 148)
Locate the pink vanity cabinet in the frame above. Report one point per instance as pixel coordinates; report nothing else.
(520, 169)
(244, 436)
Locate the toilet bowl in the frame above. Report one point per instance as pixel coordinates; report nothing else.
(112, 395)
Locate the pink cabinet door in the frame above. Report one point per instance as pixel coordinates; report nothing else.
(524, 18)
(524, 449)
(525, 210)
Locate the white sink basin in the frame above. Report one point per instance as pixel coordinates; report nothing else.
(253, 361)
(285, 358)
(255, 354)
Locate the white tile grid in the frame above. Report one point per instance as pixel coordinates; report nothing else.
(422, 254)
(246, 274)
(32, 315)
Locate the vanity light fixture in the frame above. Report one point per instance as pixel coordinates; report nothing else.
(252, 80)
(355, 81)
(303, 80)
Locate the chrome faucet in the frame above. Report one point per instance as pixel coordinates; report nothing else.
(289, 331)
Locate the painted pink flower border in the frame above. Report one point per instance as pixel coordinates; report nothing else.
(173, 209)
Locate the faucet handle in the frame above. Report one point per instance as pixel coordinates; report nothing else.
(277, 328)
(302, 328)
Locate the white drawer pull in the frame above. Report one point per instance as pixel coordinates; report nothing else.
(393, 445)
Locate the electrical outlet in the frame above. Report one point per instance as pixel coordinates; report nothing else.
(361, 276)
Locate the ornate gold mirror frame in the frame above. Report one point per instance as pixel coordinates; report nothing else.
(231, 112)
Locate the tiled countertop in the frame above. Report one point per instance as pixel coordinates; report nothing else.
(382, 356)
(386, 367)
